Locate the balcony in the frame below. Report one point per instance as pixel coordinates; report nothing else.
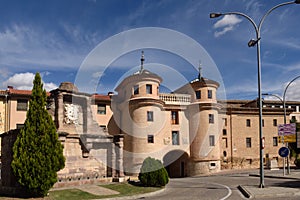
(175, 99)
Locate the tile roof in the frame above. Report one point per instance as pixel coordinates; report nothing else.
(101, 97)
(21, 92)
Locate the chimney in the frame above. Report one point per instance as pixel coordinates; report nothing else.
(10, 87)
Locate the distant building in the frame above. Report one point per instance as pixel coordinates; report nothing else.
(189, 130)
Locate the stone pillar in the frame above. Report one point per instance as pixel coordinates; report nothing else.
(60, 111)
(119, 160)
(89, 116)
(113, 160)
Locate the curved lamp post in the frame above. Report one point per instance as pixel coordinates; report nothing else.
(252, 43)
(284, 93)
(284, 119)
(284, 108)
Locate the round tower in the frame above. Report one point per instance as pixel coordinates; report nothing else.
(140, 117)
(204, 120)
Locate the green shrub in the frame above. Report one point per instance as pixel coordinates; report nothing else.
(297, 162)
(153, 173)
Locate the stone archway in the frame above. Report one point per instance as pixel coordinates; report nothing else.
(176, 163)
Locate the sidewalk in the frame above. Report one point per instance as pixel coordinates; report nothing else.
(289, 187)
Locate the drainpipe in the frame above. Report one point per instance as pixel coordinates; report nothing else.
(5, 116)
(231, 136)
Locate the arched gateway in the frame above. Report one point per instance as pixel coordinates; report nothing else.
(176, 163)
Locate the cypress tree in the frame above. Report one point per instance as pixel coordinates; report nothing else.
(37, 152)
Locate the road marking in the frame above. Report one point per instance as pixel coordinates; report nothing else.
(225, 186)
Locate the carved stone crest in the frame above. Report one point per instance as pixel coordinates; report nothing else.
(72, 114)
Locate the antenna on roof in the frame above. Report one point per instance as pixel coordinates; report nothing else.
(142, 61)
(199, 68)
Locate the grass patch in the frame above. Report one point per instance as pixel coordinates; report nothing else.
(70, 194)
(125, 189)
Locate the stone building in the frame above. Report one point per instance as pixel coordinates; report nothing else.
(189, 130)
(92, 155)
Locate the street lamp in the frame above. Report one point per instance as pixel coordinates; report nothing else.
(284, 93)
(251, 43)
(284, 108)
(284, 117)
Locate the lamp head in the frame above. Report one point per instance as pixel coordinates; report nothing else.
(252, 43)
(215, 15)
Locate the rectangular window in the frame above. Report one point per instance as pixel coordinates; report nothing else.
(19, 126)
(248, 122)
(101, 109)
(248, 142)
(225, 121)
(174, 117)
(150, 138)
(211, 140)
(136, 89)
(225, 143)
(249, 161)
(274, 122)
(150, 116)
(224, 132)
(211, 119)
(263, 122)
(209, 94)
(275, 141)
(198, 94)
(148, 89)
(175, 138)
(22, 104)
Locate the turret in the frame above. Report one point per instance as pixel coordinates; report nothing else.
(203, 114)
(140, 116)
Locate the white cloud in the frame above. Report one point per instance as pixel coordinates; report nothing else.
(97, 75)
(50, 86)
(227, 23)
(225, 30)
(24, 81)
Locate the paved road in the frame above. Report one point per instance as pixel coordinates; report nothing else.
(222, 187)
(194, 189)
(209, 188)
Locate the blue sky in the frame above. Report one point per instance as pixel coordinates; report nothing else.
(57, 39)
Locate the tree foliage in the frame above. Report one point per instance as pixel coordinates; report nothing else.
(37, 152)
(153, 173)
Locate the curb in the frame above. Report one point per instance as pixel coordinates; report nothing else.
(138, 196)
(245, 192)
(274, 176)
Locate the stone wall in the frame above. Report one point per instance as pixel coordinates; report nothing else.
(7, 142)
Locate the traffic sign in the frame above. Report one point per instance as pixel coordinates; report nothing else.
(286, 129)
(287, 138)
(284, 152)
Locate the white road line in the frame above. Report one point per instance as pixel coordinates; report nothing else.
(225, 186)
